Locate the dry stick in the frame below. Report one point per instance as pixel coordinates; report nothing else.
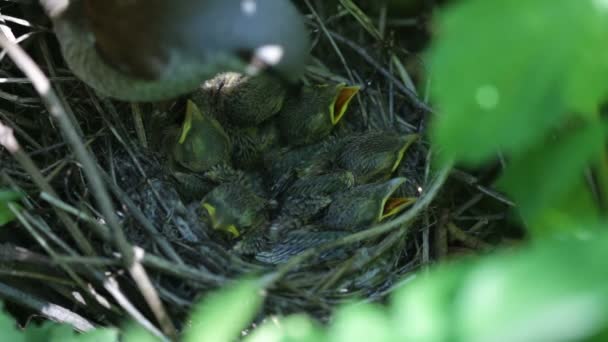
(7, 139)
(467, 205)
(403, 219)
(426, 245)
(182, 271)
(58, 89)
(100, 229)
(115, 290)
(41, 277)
(150, 260)
(30, 222)
(6, 30)
(405, 76)
(474, 182)
(5, 117)
(23, 220)
(25, 80)
(467, 239)
(164, 245)
(337, 49)
(149, 292)
(405, 90)
(377, 34)
(52, 311)
(441, 236)
(331, 41)
(139, 124)
(55, 108)
(111, 285)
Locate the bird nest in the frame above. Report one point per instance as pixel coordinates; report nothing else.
(70, 238)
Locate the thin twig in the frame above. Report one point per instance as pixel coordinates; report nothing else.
(57, 110)
(52, 311)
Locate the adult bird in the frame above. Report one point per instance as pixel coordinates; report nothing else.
(151, 50)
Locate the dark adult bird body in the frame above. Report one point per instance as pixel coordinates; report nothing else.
(158, 49)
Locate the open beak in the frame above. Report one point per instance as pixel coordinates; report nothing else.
(340, 103)
(192, 111)
(394, 205)
(217, 223)
(409, 140)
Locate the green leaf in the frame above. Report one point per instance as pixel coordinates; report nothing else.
(555, 290)
(42, 332)
(136, 333)
(295, 328)
(572, 215)
(7, 196)
(421, 308)
(8, 328)
(506, 71)
(360, 322)
(55, 332)
(551, 175)
(223, 315)
(99, 335)
(586, 85)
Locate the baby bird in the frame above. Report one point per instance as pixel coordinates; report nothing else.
(250, 144)
(295, 213)
(242, 105)
(234, 209)
(298, 241)
(302, 161)
(364, 205)
(373, 156)
(310, 115)
(199, 143)
(245, 100)
(325, 184)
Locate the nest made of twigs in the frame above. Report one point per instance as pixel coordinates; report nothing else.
(66, 243)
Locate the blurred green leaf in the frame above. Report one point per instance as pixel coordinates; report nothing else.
(55, 332)
(136, 333)
(549, 175)
(61, 333)
(7, 196)
(420, 310)
(8, 328)
(223, 315)
(576, 211)
(295, 328)
(506, 71)
(99, 335)
(550, 291)
(360, 322)
(556, 291)
(42, 332)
